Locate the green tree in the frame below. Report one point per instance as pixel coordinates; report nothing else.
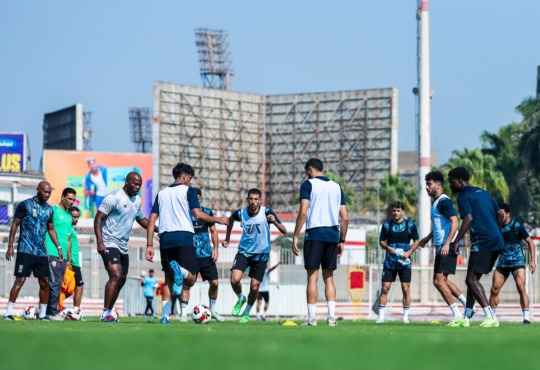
(529, 146)
(392, 188)
(483, 170)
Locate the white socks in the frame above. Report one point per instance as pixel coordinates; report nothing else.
(42, 310)
(10, 306)
(462, 299)
(488, 312)
(406, 313)
(240, 296)
(212, 304)
(494, 311)
(455, 311)
(311, 311)
(183, 308)
(526, 315)
(332, 309)
(382, 313)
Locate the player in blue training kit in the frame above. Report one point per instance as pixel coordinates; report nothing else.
(444, 225)
(253, 250)
(207, 255)
(396, 236)
(482, 216)
(35, 217)
(512, 261)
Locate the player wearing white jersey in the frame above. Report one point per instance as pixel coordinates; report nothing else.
(253, 250)
(112, 226)
(174, 206)
(324, 211)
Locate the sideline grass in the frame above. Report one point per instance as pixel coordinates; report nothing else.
(137, 343)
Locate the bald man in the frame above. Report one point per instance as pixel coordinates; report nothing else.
(35, 218)
(112, 226)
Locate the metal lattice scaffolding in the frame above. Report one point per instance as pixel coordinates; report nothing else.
(214, 58)
(239, 141)
(140, 120)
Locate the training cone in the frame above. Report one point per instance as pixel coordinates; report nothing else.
(435, 322)
(289, 323)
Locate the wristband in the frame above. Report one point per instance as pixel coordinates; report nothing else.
(58, 248)
(149, 245)
(342, 240)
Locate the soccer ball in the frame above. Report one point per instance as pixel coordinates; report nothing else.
(201, 314)
(30, 313)
(73, 314)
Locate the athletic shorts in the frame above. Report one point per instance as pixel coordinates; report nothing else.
(389, 275)
(445, 265)
(207, 269)
(264, 295)
(256, 268)
(320, 254)
(185, 256)
(482, 262)
(78, 275)
(26, 264)
(506, 271)
(114, 257)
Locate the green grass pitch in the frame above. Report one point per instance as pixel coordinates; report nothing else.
(137, 343)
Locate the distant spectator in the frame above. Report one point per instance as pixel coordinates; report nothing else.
(149, 285)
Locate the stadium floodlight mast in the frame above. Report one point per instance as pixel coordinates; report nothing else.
(424, 134)
(214, 58)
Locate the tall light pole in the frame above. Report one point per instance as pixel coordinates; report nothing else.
(424, 138)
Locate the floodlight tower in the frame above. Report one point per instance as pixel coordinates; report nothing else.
(141, 129)
(214, 58)
(424, 133)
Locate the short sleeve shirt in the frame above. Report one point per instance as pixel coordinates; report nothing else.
(62, 225)
(121, 211)
(485, 232)
(35, 218)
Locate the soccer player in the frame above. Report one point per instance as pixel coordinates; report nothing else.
(483, 218)
(207, 255)
(35, 218)
(396, 236)
(264, 294)
(73, 256)
(324, 211)
(57, 265)
(253, 250)
(112, 226)
(444, 224)
(512, 261)
(149, 285)
(174, 206)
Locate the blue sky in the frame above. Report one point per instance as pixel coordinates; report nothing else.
(108, 54)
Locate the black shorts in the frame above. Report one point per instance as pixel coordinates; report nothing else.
(26, 264)
(264, 295)
(482, 262)
(185, 256)
(78, 275)
(389, 275)
(208, 269)
(114, 257)
(256, 268)
(445, 264)
(320, 254)
(506, 271)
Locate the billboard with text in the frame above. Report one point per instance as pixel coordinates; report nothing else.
(95, 174)
(13, 151)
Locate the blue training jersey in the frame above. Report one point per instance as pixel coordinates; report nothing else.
(201, 238)
(256, 231)
(35, 218)
(398, 236)
(149, 286)
(485, 231)
(512, 255)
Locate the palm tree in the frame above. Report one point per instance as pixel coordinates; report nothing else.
(348, 192)
(483, 170)
(392, 188)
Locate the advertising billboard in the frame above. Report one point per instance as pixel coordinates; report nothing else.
(95, 174)
(13, 151)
